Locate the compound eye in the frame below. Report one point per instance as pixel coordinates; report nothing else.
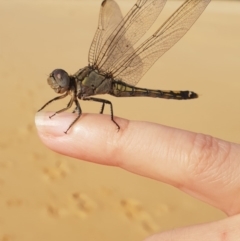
(62, 78)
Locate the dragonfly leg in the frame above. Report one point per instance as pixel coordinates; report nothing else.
(50, 101)
(102, 109)
(64, 109)
(103, 101)
(77, 110)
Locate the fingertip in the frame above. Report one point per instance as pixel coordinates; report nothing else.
(53, 131)
(53, 126)
(91, 130)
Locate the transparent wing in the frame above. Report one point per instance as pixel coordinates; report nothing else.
(162, 40)
(109, 18)
(116, 36)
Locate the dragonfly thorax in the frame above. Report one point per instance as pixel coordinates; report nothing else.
(90, 82)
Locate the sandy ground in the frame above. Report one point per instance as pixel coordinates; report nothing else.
(45, 196)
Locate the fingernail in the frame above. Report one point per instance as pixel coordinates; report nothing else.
(52, 126)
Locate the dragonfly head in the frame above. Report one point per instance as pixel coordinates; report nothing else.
(59, 80)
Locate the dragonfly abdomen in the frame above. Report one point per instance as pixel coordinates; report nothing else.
(121, 89)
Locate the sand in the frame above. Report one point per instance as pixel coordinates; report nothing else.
(46, 196)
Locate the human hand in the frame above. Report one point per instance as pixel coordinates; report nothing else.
(202, 166)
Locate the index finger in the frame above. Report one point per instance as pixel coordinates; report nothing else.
(198, 164)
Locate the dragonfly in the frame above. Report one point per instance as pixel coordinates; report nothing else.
(116, 64)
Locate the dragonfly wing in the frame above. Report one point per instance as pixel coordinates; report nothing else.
(162, 40)
(113, 47)
(109, 18)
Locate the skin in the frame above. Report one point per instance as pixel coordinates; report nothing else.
(205, 167)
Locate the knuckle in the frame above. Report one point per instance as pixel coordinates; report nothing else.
(208, 155)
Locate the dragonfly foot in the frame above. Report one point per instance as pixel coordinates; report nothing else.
(50, 117)
(118, 127)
